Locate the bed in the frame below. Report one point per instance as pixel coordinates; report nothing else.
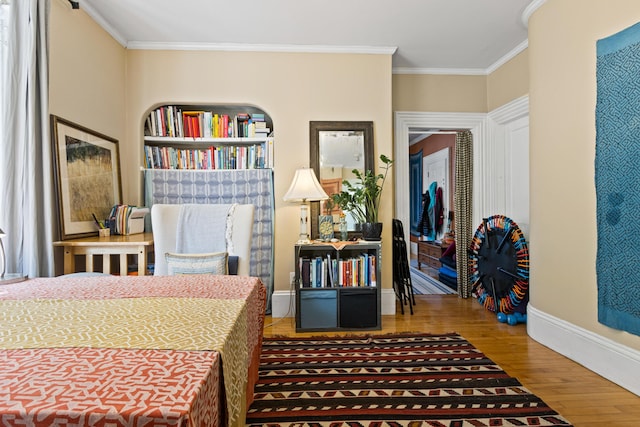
(135, 351)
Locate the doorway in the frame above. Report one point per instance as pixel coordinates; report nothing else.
(431, 197)
(493, 136)
(410, 123)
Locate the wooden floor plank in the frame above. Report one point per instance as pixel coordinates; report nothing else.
(583, 397)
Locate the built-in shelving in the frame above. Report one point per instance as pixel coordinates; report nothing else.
(208, 137)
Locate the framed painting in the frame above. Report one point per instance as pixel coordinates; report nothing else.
(87, 177)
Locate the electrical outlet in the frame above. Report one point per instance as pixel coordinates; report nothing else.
(292, 277)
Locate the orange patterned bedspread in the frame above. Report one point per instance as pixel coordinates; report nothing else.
(125, 351)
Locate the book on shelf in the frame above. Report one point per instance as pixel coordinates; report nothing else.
(212, 157)
(164, 121)
(208, 120)
(257, 117)
(305, 272)
(316, 272)
(326, 271)
(329, 268)
(312, 273)
(172, 121)
(357, 271)
(373, 272)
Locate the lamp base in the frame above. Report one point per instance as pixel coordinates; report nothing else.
(303, 236)
(303, 240)
(12, 278)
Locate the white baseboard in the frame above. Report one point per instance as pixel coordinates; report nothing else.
(615, 362)
(283, 303)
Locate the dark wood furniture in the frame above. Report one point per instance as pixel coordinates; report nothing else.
(338, 301)
(429, 253)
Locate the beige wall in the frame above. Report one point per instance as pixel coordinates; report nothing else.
(562, 53)
(293, 88)
(95, 82)
(442, 93)
(462, 94)
(509, 82)
(86, 77)
(86, 72)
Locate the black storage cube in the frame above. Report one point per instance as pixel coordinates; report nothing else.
(318, 309)
(358, 308)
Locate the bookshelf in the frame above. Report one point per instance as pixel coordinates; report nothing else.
(197, 137)
(337, 286)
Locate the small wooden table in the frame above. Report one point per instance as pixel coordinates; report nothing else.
(135, 244)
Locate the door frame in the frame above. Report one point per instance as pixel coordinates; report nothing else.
(488, 165)
(405, 122)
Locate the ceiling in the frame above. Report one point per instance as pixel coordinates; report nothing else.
(424, 36)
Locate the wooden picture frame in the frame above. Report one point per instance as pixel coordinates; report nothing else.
(87, 177)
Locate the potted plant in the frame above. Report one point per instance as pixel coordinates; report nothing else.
(362, 198)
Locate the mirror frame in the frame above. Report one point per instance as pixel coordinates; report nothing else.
(315, 127)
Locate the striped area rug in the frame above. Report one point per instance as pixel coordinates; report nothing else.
(389, 380)
(424, 284)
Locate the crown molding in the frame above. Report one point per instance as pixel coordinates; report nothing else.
(466, 71)
(232, 47)
(241, 47)
(375, 50)
(508, 57)
(104, 24)
(448, 71)
(528, 11)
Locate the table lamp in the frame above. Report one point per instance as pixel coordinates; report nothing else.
(7, 278)
(304, 188)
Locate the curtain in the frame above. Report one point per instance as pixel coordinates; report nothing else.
(26, 193)
(463, 208)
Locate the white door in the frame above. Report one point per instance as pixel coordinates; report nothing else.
(517, 171)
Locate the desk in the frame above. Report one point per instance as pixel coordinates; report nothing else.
(135, 244)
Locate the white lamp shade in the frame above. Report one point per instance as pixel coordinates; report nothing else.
(305, 187)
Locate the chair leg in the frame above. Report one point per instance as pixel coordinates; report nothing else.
(398, 284)
(401, 273)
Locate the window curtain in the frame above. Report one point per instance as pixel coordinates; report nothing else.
(26, 193)
(463, 208)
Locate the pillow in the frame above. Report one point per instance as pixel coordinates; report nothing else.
(211, 263)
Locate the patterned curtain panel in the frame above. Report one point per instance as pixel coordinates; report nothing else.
(463, 208)
(617, 179)
(251, 186)
(415, 193)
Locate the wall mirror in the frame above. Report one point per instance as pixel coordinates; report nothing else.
(336, 148)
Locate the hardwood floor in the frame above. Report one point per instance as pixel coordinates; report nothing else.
(581, 396)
